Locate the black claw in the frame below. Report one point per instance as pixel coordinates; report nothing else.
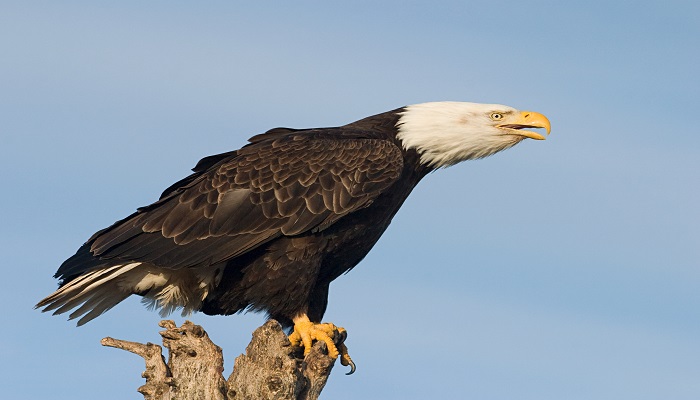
(352, 367)
(343, 336)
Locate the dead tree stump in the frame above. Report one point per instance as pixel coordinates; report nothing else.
(270, 369)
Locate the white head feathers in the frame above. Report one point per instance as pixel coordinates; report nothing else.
(446, 133)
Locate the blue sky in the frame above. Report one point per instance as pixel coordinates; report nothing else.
(564, 269)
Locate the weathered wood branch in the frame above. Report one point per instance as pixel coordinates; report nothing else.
(270, 369)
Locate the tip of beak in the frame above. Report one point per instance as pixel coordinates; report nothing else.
(538, 120)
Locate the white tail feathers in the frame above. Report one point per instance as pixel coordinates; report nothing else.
(98, 290)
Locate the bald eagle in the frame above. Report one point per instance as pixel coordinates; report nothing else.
(269, 226)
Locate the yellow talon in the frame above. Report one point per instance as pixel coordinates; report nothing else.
(305, 332)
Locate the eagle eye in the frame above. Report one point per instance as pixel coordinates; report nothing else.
(496, 116)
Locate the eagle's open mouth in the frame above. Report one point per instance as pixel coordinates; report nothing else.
(515, 129)
(518, 126)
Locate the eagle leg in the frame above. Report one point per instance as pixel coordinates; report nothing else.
(305, 332)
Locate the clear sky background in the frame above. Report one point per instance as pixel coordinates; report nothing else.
(563, 269)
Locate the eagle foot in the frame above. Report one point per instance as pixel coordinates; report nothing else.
(305, 332)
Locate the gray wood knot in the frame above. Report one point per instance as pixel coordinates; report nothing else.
(274, 383)
(197, 331)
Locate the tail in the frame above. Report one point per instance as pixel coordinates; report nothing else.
(97, 290)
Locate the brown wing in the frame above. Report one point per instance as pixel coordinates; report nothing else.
(286, 186)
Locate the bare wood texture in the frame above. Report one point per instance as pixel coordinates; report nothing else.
(157, 373)
(271, 368)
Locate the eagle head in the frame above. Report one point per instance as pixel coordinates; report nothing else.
(446, 133)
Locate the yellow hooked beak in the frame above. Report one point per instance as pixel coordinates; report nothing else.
(527, 119)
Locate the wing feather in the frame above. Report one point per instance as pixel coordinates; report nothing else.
(288, 185)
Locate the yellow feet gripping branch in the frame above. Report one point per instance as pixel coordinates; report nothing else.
(305, 332)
